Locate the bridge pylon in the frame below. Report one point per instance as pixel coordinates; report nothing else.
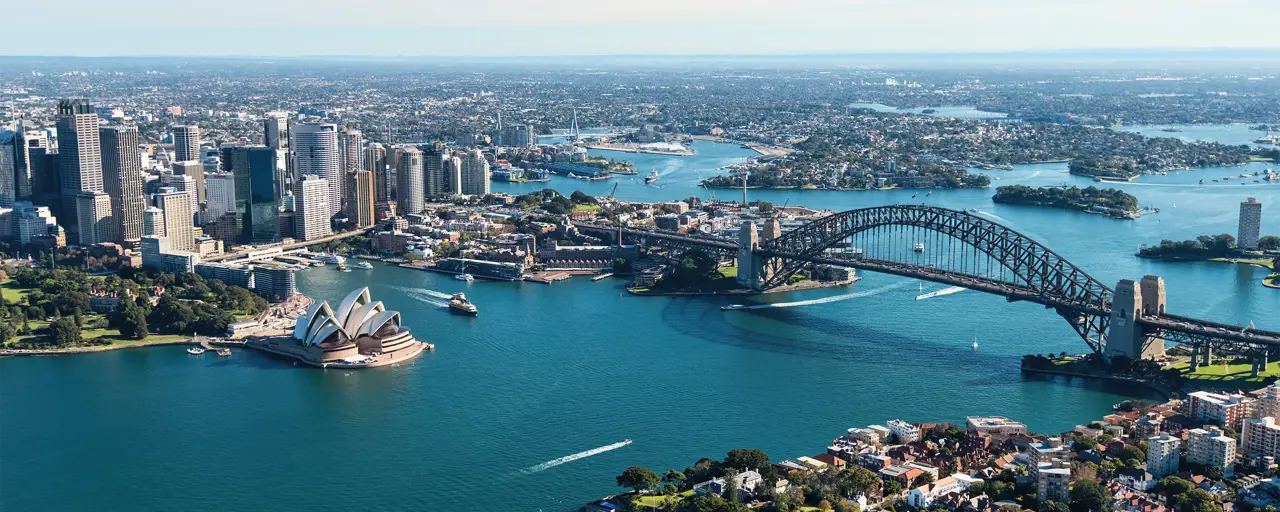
(1126, 335)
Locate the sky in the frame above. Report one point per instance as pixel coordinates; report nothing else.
(513, 28)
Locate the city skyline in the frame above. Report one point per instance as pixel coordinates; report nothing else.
(663, 27)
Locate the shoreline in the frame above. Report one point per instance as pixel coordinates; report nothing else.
(88, 350)
(1166, 393)
(627, 149)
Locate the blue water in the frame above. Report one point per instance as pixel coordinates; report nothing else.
(549, 371)
(1233, 134)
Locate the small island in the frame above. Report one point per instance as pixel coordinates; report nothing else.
(1111, 202)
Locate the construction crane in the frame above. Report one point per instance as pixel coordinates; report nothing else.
(615, 189)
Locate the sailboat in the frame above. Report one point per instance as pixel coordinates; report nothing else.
(975, 342)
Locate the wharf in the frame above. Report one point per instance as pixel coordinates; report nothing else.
(549, 277)
(602, 277)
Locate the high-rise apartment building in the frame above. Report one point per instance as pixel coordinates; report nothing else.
(195, 170)
(315, 151)
(122, 179)
(79, 154)
(1211, 448)
(452, 175)
(433, 171)
(1223, 409)
(517, 136)
(1163, 455)
(409, 175)
(312, 216)
(475, 173)
(1260, 437)
(254, 171)
(186, 143)
(364, 199)
(94, 211)
(179, 219)
(1250, 224)
(375, 160)
(352, 150)
(1267, 404)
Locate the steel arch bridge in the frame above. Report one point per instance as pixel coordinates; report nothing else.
(947, 246)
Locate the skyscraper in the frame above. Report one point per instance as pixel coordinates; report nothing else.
(1250, 224)
(183, 183)
(9, 147)
(433, 171)
(254, 171)
(352, 150)
(312, 216)
(375, 160)
(195, 170)
(409, 174)
(186, 143)
(475, 173)
(364, 199)
(152, 222)
(96, 224)
(275, 128)
(221, 193)
(25, 162)
(315, 152)
(79, 155)
(122, 179)
(179, 220)
(452, 175)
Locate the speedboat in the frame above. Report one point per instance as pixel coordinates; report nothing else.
(460, 305)
(974, 210)
(733, 307)
(918, 248)
(628, 441)
(195, 351)
(465, 277)
(364, 265)
(224, 352)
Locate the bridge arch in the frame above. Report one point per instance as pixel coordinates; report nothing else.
(1033, 272)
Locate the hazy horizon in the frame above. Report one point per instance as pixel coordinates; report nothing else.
(514, 29)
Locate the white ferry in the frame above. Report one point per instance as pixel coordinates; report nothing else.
(465, 277)
(331, 258)
(364, 265)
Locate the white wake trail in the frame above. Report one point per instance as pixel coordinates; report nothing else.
(421, 291)
(570, 458)
(939, 293)
(828, 300)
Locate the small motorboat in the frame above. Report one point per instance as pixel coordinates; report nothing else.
(224, 352)
(465, 277)
(195, 351)
(460, 305)
(364, 265)
(733, 307)
(628, 441)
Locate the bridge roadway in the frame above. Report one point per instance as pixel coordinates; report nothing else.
(1177, 328)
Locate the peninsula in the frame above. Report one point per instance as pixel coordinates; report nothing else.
(1111, 202)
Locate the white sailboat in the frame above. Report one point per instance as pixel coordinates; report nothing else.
(975, 342)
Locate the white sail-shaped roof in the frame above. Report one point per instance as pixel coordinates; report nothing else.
(357, 316)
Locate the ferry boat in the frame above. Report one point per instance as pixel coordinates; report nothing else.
(364, 265)
(195, 351)
(343, 267)
(652, 177)
(974, 210)
(465, 277)
(223, 352)
(460, 305)
(918, 248)
(331, 258)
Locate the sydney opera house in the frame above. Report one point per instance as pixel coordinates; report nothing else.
(360, 333)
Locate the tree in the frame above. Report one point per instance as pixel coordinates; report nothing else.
(1132, 452)
(1269, 243)
(1053, 506)
(132, 321)
(858, 480)
(6, 333)
(1172, 486)
(638, 478)
(748, 459)
(1088, 496)
(892, 487)
(1198, 500)
(65, 332)
(673, 477)
(1083, 444)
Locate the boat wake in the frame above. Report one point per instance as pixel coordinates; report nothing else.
(422, 291)
(939, 293)
(428, 300)
(828, 300)
(992, 215)
(570, 458)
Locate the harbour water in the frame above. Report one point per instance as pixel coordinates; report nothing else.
(525, 406)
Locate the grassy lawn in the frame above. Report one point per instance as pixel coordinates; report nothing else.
(657, 501)
(729, 272)
(585, 208)
(1266, 262)
(1229, 375)
(12, 295)
(1256, 158)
